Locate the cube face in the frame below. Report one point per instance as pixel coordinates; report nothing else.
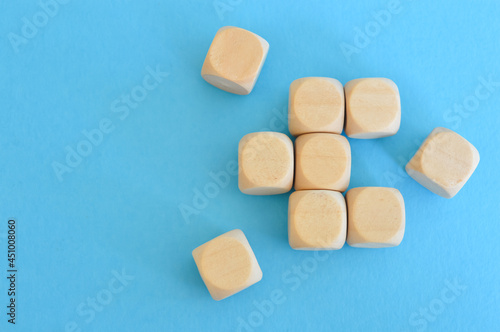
(444, 162)
(323, 161)
(265, 164)
(373, 108)
(227, 264)
(317, 219)
(234, 60)
(316, 105)
(376, 217)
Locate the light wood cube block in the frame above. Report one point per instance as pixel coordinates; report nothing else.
(316, 105)
(376, 217)
(317, 219)
(444, 162)
(323, 161)
(227, 264)
(373, 108)
(265, 163)
(234, 60)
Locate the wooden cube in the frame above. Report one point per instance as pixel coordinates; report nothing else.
(373, 108)
(234, 60)
(227, 264)
(317, 219)
(265, 164)
(316, 105)
(376, 217)
(323, 161)
(444, 162)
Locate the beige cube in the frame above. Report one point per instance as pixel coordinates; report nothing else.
(444, 162)
(234, 60)
(317, 220)
(373, 108)
(376, 217)
(316, 105)
(323, 161)
(265, 164)
(227, 264)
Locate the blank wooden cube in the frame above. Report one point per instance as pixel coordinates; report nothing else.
(227, 264)
(373, 108)
(234, 60)
(265, 164)
(317, 219)
(316, 105)
(444, 162)
(323, 161)
(376, 217)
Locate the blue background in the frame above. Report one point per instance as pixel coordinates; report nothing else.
(119, 210)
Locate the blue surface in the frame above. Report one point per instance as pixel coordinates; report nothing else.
(117, 211)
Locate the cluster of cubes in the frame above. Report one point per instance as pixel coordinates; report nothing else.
(319, 165)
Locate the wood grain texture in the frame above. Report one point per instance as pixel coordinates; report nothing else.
(323, 161)
(373, 108)
(227, 264)
(316, 105)
(265, 164)
(234, 60)
(376, 217)
(317, 220)
(444, 162)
